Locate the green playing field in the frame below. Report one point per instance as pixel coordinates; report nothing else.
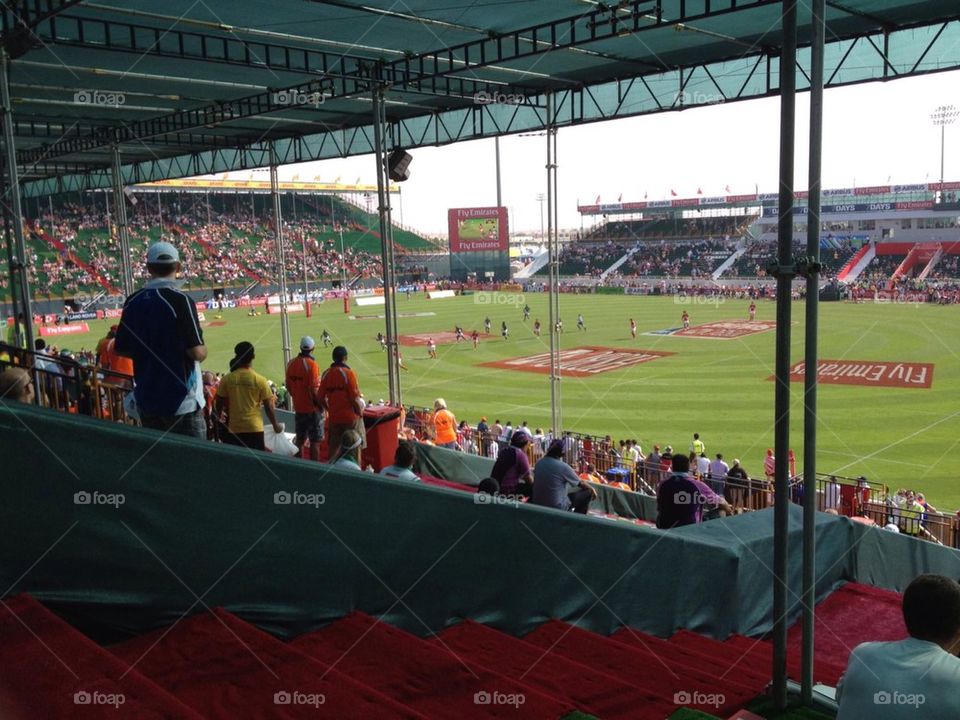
(717, 387)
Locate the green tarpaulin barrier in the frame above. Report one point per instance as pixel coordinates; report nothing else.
(121, 530)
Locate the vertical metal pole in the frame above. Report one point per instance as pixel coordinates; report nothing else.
(386, 245)
(281, 256)
(554, 273)
(781, 427)
(552, 132)
(120, 213)
(160, 211)
(16, 244)
(810, 351)
(496, 148)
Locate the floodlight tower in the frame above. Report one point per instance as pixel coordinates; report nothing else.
(943, 116)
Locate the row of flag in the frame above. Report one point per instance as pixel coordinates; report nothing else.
(673, 193)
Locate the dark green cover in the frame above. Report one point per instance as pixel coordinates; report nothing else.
(199, 527)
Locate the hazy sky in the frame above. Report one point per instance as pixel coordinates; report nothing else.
(872, 132)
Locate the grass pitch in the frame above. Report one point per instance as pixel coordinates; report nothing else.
(719, 388)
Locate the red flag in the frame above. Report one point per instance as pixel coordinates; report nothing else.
(620, 199)
(597, 201)
(699, 191)
(727, 188)
(673, 193)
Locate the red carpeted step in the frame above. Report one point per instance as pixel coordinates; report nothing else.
(51, 671)
(425, 676)
(227, 669)
(849, 616)
(703, 652)
(760, 652)
(677, 681)
(599, 693)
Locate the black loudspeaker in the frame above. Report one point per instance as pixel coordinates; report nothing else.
(398, 165)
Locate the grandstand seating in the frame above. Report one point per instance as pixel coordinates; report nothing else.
(221, 245)
(217, 666)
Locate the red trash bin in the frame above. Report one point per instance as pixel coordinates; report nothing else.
(382, 423)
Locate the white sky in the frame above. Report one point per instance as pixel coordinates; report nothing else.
(872, 132)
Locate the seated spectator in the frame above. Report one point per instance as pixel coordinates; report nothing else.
(681, 498)
(512, 467)
(346, 456)
(556, 485)
(590, 474)
(403, 460)
(488, 486)
(16, 385)
(913, 678)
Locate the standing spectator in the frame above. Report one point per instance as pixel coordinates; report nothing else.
(718, 475)
(556, 485)
(242, 393)
(303, 383)
(15, 329)
(444, 425)
(703, 466)
(160, 332)
(882, 676)
(340, 396)
(769, 466)
(738, 482)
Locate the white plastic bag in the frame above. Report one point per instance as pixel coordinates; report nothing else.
(278, 443)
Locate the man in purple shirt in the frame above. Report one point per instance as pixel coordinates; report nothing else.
(681, 498)
(512, 468)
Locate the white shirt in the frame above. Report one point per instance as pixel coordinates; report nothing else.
(703, 466)
(907, 679)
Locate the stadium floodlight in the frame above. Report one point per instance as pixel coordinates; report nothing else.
(943, 116)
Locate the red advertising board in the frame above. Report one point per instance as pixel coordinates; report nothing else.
(478, 229)
(868, 372)
(71, 329)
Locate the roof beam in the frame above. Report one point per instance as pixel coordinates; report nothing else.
(307, 95)
(170, 42)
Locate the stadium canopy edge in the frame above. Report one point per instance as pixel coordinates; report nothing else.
(207, 88)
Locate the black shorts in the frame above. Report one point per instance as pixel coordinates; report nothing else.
(308, 425)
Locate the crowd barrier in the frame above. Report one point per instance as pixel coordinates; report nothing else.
(125, 551)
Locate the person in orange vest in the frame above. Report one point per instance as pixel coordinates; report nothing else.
(303, 382)
(120, 365)
(339, 395)
(103, 359)
(444, 425)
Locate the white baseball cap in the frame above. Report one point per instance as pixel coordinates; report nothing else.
(162, 253)
(307, 343)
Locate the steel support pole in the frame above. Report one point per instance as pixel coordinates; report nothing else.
(120, 215)
(818, 8)
(16, 244)
(781, 427)
(386, 245)
(553, 293)
(281, 256)
(496, 147)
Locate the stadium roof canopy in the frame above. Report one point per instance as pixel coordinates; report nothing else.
(187, 88)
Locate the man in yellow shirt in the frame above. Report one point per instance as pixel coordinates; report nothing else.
(242, 392)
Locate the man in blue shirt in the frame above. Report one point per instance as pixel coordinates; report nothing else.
(556, 485)
(159, 330)
(914, 678)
